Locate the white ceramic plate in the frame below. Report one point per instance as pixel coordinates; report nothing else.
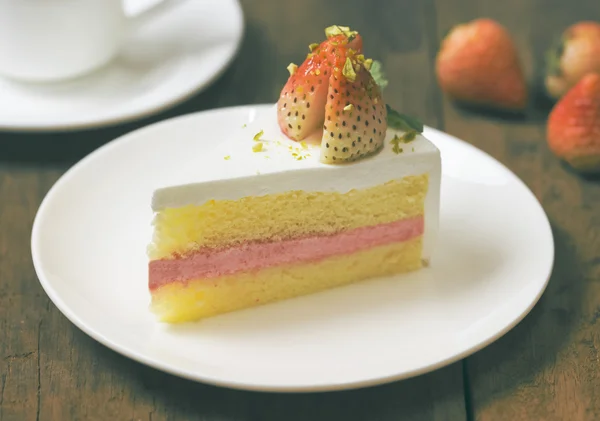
(170, 58)
(492, 263)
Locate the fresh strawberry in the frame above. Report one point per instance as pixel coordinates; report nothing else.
(355, 115)
(478, 64)
(334, 91)
(576, 54)
(302, 100)
(573, 128)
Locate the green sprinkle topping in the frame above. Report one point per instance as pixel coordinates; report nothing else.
(402, 122)
(334, 30)
(348, 70)
(409, 136)
(312, 47)
(257, 147)
(258, 135)
(292, 68)
(349, 107)
(376, 70)
(396, 145)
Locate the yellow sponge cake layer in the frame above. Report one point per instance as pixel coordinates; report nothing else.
(219, 223)
(181, 302)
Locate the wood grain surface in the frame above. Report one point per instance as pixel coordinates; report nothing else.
(547, 368)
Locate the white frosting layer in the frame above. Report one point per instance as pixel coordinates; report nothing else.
(233, 170)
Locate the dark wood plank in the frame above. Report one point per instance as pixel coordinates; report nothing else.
(547, 367)
(49, 370)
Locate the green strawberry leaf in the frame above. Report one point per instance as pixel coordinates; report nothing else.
(553, 56)
(402, 122)
(378, 75)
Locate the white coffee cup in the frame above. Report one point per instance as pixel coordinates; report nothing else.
(52, 40)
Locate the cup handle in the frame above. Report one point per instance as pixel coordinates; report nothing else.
(150, 12)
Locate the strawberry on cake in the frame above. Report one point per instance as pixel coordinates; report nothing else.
(335, 187)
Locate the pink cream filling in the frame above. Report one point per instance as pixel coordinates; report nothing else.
(212, 263)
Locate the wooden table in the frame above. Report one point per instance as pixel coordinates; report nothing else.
(547, 368)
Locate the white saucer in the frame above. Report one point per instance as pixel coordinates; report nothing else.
(168, 60)
(492, 263)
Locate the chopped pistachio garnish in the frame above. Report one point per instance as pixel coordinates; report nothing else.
(334, 30)
(292, 68)
(349, 107)
(312, 47)
(257, 147)
(396, 145)
(360, 58)
(348, 70)
(244, 126)
(368, 63)
(317, 72)
(227, 157)
(304, 145)
(258, 135)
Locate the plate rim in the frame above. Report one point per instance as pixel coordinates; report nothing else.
(144, 112)
(157, 364)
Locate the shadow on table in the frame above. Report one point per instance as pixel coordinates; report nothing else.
(177, 398)
(534, 344)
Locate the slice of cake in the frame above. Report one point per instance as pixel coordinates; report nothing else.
(328, 188)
